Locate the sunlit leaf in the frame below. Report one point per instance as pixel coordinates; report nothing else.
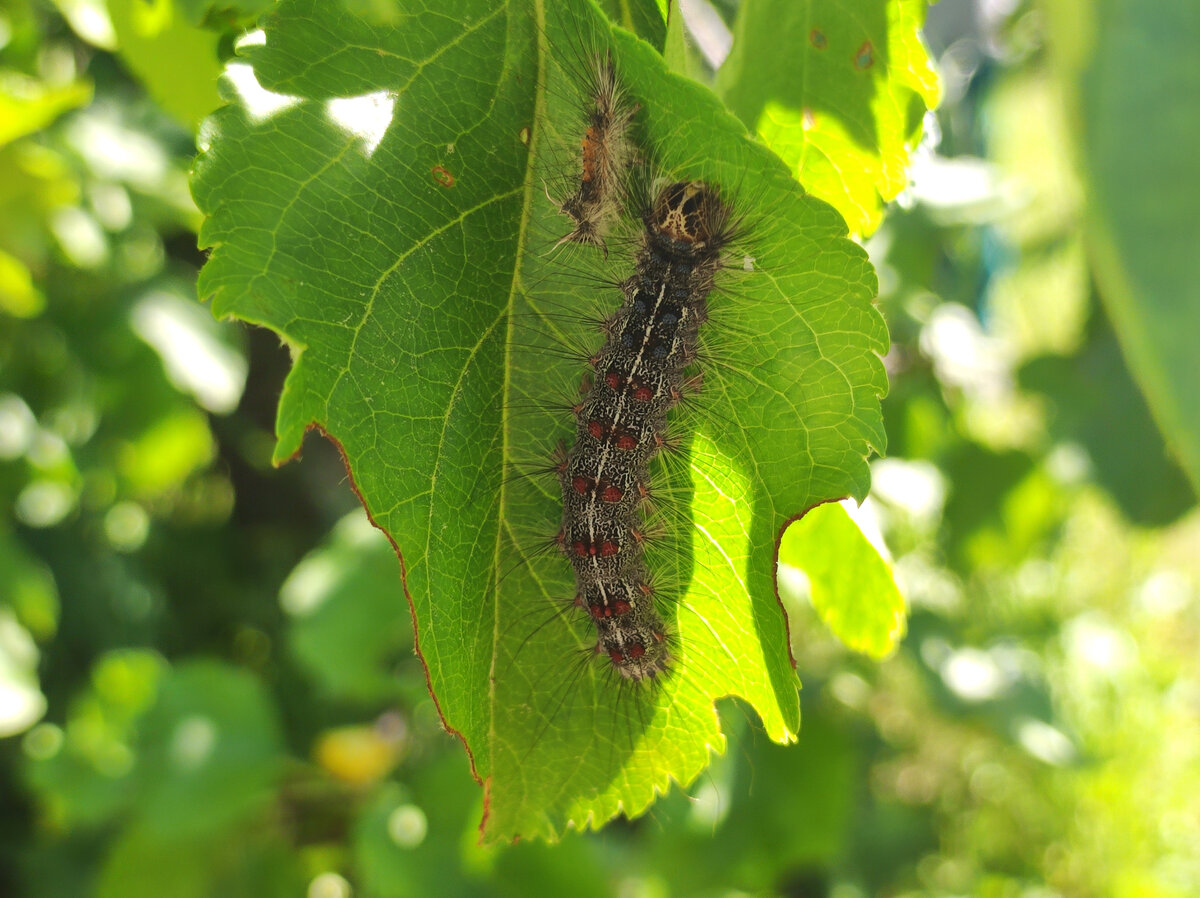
(844, 105)
(200, 12)
(158, 44)
(27, 106)
(19, 296)
(21, 701)
(27, 587)
(401, 245)
(851, 586)
(166, 453)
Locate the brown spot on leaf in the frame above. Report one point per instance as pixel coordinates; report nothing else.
(864, 57)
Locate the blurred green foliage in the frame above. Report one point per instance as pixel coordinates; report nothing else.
(206, 678)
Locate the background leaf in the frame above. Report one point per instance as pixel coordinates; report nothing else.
(347, 629)
(428, 339)
(1086, 392)
(211, 745)
(850, 585)
(845, 111)
(1131, 75)
(155, 40)
(27, 106)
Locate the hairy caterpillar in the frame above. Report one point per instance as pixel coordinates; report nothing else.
(622, 422)
(606, 154)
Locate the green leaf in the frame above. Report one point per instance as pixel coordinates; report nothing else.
(257, 863)
(851, 586)
(411, 269)
(86, 771)
(769, 837)
(175, 60)
(347, 628)
(1002, 507)
(1131, 72)
(19, 296)
(1087, 393)
(27, 105)
(844, 107)
(28, 586)
(645, 18)
(210, 751)
(141, 865)
(201, 12)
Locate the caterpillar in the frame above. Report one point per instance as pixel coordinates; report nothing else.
(606, 154)
(621, 423)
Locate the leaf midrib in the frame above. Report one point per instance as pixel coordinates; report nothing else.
(539, 112)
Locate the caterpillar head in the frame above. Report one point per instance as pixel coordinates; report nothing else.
(690, 215)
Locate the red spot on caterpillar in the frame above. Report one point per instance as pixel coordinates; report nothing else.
(615, 435)
(643, 394)
(613, 379)
(646, 588)
(659, 637)
(636, 651)
(599, 611)
(864, 57)
(612, 494)
(442, 176)
(581, 484)
(817, 39)
(608, 549)
(616, 656)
